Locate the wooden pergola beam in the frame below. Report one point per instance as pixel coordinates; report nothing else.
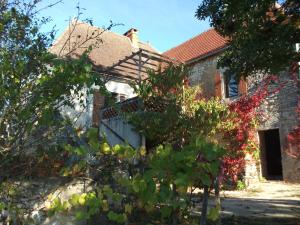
(131, 68)
(124, 71)
(125, 59)
(146, 63)
(143, 60)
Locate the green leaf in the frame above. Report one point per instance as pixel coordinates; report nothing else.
(166, 211)
(105, 148)
(213, 214)
(82, 199)
(74, 200)
(136, 186)
(107, 190)
(214, 168)
(117, 217)
(205, 179)
(81, 215)
(128, 208)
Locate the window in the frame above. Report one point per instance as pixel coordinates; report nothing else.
(195, 75)
(231, 87)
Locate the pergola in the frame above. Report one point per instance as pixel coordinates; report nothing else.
(133, 68)
(136, 66)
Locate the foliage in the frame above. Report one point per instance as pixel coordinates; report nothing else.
(175, 114)
(171, 111)
(34, 84)
(241, 185)
(102, 198)
(188, 113)
(88, 204)
(161, 96)
(170, 174)
(9, 192)
(162, 188)
(261, 34)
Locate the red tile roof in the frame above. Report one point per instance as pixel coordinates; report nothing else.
(201, 45)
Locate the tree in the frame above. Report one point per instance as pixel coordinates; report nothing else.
(262, 34)
(188, 127)
(34, 83)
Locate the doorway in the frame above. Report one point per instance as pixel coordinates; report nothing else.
(270, 154)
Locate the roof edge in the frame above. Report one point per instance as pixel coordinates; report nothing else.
(188, 40)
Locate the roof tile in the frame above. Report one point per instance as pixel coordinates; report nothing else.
(198, 46)
(108, 47)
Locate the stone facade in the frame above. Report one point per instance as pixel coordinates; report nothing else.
(202, 73)
(279, 112)
(289, 98)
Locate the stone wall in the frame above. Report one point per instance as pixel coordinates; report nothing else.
(279, 112)
(252, 171)
(32, 199)
(202, 73)
(289, 98)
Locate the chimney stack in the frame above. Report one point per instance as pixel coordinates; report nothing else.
(132, 34)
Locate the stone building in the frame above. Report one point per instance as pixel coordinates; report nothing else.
(125, 59)
(277, 160)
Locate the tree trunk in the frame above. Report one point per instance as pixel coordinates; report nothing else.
(174, 215)
(204, 206)
(218, 199)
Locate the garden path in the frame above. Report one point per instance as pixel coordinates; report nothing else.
(274, 202)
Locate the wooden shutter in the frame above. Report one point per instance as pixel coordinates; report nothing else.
(218, 83)
(242, 87)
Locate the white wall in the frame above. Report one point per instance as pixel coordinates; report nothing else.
(81, 115)
(121, 88)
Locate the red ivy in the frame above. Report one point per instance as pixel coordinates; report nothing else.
(244, 112)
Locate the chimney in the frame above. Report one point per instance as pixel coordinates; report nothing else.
(132, 34)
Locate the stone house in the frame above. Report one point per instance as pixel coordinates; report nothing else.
(125, 59)
(200, 54)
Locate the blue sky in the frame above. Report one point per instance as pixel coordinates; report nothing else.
(164, 23)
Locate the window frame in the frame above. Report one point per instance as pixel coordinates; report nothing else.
(225, 87)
